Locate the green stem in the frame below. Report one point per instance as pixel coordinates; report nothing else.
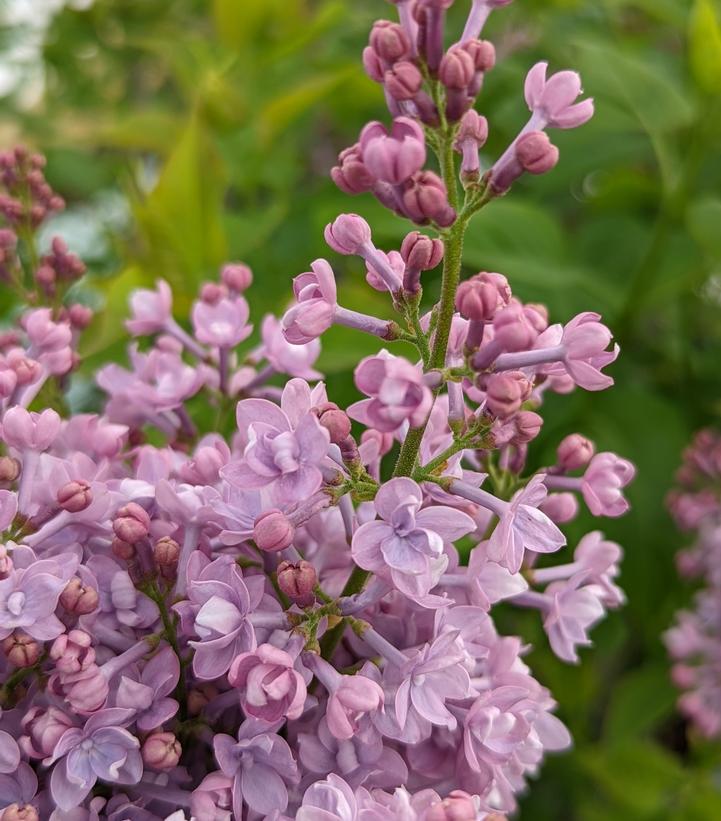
(332, 637)
(181, 690)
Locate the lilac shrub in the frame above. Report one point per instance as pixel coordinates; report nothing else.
(694, 642)
(294, 618)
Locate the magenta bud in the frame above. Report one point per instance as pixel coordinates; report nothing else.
(20, 812)
(348, 234)
(131, 523)
(403, 81)
(80, 316)
(20, 649)
(161, 751)
(236, 277)
(536, 153)
(298, 581)
(122, 550)
(560, 507)
(6, 562)
(421, 252)
(513, 330)
(273, 531)
(457, 69)
(335, 421)
(9, 469)
(528, 425)
(73, 651)
(506, 392)
(482, 296)
(425, 199)
(212, 292)
(166, 552)
(458, 806)
(351, 175)
(373, 64)
(389, 41)
(473, 127)
(575, 452)
(79, 599)
(482, 52)
(75, 496)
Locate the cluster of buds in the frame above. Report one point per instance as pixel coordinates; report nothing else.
(303, 591)
(27, 199)
(694, 643)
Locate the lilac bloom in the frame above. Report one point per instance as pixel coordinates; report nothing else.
(151, 310)
(573, 608)
(100, 750)
(120, 603)
(9, 753)
(147, 694)
(484, 582)
(395, 156)
(396, 390)
(18, 787)
(552, 100)
(30, 431)
(285, 357)
(328, 800)
(218, 610)
(316, 301)
(29, 596)
(280, 454)
(603, 483)
(406, 545)
(8, 508)
(261, 765)
(222, 324)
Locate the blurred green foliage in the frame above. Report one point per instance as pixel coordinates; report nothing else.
(218, 122)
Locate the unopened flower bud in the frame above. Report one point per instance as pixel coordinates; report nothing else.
(347, 234)
(575, 452)
(536, 153)
(20, 812)
(123, 550)
(236, 277)
(373, 65)
(482, 296)
(298, 581)
(79, 599)
(528, 425)
(506, 392)
(212, 293)
(80, 316)
(351, 175)
(420, 253)
(425, 199)
(273, 531)
(389, 41)
(20, 649)
(6, 562)
(512, 329)
(9, 469)
(166, 552)
(560, 507)
(457, 69)
(131, 523)
(335, 421)
(43, 728)
(161, 751)
(73, 652)
(403, 81)
(482, 52)
(458, 806)
(75, 496)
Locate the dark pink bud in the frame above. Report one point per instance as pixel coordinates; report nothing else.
(166, 552)
(403, 81)
(506, 392)
(236, 277)
(6, 562)
(459, 806)
(348, 234)
(79, 599)
(425, 199)
(482, 296)
(9, 469)
(20, 649)
(537, 315)
(560, 507)
(46, 277)
(528, 426)
(123, 550)
(373, 64)
(131, 523)
(457, 69)
(43, 728)
(18, 812)
(512, 329)
(389, 41)
(474, 128)
(212, 292)
(273, 531)
(575, 452)
(351, 175)
(482, 52)
(298, 581)
(26, 370)
(161, 751)
(335, 421)
(421, 252)
(75, 496)
(73, 652)
(80, 316)
(536, 153)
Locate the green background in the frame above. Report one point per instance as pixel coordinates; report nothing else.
(186, 133)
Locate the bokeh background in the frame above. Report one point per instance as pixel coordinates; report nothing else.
(184, 133)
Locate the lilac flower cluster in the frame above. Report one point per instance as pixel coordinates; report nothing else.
(290, 615)
(694, 642)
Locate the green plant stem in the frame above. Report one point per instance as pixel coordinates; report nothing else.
(181, 691)
(332, 637)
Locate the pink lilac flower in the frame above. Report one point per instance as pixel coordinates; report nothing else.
(223, 324)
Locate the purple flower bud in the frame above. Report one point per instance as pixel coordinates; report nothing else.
(506, 392)
(575, 452)
(17, 812)
(79, 316)
(26, 430)
(457, 69)
(131, 523)
(528, 425)
(335, 421)
(482, 52)
(425, 199)
(482, 296)
(389, 41)
(351, 175)
(273, 531)
(420, 253)
(75, 496)
(166, 552)
(536, 153)
(161, 751)
(9, 469)
(403, 81)
(236, 277)
(123, 550)
(513, 331)
(560, 507)
(373, 64)
(459, 806)
(347, 234)
(393, 157)
(43, 728)
(6, 562)
(78, 598)
(298, 581)
(20, 649)
(73, 652)
(212, 292)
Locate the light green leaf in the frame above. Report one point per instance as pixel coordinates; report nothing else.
(704, 46)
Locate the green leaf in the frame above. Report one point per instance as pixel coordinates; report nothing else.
(704, 46)
(703, 219)
(640, 700)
